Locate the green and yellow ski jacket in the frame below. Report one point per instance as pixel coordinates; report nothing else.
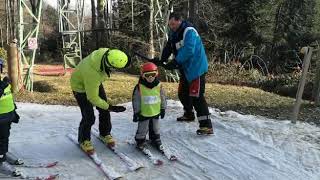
(88, 76)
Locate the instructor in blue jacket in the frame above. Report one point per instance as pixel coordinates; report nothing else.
(191, 60)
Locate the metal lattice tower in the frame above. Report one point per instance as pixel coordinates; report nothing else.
(28, 28)
(70, 27)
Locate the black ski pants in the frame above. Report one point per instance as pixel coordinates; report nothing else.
(4, 138)
(191, 95)
(88, 117)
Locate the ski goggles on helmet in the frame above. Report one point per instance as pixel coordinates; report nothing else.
(150, 74)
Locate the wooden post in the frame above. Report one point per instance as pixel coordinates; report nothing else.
(305, 67)
(13, 70)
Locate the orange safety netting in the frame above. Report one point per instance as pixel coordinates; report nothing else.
(51, 70)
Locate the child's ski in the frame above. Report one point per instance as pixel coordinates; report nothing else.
(148, 154)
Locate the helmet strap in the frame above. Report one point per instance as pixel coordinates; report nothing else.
(104, 63)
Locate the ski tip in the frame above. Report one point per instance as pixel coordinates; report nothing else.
(173, 158)
(51, 177)
(52, 164)
(89, 153)
(136, 168)
(157, 162)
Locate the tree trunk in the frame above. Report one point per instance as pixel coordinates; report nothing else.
(93, 14)
(193, 11)
(34, 4)
(151, 28)
(10, 20)
(185, 9)
(101, 23)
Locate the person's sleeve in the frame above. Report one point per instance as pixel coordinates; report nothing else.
(92, 91)
(188, 49)
(166, 52)
(136, 100)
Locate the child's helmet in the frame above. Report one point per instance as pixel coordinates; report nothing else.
(149, 68)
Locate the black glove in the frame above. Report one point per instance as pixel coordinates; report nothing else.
(156, 61)
(7, 80)
(136, 117)
(162, 113)
(16, 117)
(171, 65)
(3, 84)
(116, 108)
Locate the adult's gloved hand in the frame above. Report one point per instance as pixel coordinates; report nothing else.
(162, 113)
(116, 108)
(156, 61)
(171, 65)
(136, 117)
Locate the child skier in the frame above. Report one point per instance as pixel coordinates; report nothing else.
(7, 116)
(149, 102)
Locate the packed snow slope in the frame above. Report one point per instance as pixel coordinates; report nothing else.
(244, 147)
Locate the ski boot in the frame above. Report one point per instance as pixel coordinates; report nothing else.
(108, 140)
(13, 160)
(187, 117)
(141, 144)
(158, 145)
(6, 168)
(204, 131)
(87, 147)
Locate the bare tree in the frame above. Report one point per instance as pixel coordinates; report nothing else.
(10, 21)
(34, 5)
(93, 14)
(151, 29)
(100, 22)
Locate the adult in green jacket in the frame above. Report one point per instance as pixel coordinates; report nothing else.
(86, 84)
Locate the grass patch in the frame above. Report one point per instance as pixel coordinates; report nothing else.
(225, 97)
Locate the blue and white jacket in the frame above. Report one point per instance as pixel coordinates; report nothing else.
(187, 46)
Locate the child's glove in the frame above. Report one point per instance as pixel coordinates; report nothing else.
(16, 117)
(3, 84)
(136, 117)
(116, 108)
(162, 113)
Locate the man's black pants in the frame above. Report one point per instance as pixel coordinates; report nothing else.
(191, 94)
(88, 117)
